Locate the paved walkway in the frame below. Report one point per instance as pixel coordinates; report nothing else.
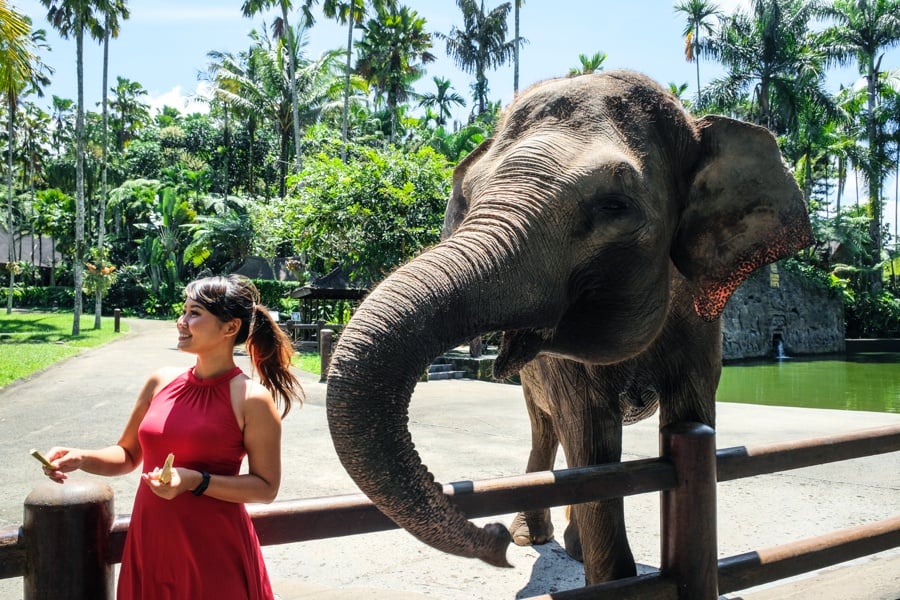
(464, 430)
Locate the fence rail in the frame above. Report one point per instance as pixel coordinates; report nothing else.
(685, 448)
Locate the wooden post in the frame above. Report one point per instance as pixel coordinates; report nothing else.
(66, 532)
(689, 553)
(117, 317)
(326, 345)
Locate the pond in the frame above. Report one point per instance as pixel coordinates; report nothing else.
(865, 381)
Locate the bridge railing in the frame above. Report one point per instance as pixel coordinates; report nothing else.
(70, 541)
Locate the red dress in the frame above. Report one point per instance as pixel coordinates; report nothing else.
(192, 547)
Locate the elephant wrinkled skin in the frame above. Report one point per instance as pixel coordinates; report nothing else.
(602, 230)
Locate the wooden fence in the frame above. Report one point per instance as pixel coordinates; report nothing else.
(307, 337)
(70, 541)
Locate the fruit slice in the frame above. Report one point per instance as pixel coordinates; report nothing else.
(166, 475)
(41, 458)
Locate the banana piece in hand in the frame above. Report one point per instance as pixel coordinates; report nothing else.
(166, 475)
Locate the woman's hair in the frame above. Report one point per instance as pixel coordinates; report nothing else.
(270, 349)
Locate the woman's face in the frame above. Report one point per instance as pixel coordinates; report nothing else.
(199, 329)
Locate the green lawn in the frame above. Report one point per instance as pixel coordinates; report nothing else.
(31, 341)
(311, 363)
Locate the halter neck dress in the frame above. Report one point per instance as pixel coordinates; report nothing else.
(192, 547)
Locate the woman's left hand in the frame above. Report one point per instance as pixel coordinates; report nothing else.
(164, 490)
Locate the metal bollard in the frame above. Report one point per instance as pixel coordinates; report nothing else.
(689, 553)
(117, 317)
(66, 532)
(326, 345)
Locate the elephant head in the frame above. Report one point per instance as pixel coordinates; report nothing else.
(565, 232)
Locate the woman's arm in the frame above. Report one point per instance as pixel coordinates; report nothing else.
(125, 456)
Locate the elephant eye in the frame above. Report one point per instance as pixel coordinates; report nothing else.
(611, 203)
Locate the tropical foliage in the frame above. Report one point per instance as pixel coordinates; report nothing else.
(337, 159)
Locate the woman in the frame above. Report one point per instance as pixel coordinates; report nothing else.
(190, 536)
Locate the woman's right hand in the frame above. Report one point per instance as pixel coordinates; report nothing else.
(64, 460)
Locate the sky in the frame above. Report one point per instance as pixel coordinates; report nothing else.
(164, 46)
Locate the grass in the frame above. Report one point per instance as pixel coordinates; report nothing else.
(31, 341)
(309, 362)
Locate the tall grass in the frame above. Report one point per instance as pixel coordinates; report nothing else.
(32, 341)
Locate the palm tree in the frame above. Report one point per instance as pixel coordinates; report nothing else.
(678, 90)
(20, 71)
(34, 131)
(698, 13)
(441, 100)
(349, 13)
(228, 74)
(392, 55)
(518, 42)
(589, 64)
(112, 11)
(862, 31)
(771, 61)
(480, 45)
(257, 87)
(282, 29)
(222, 239)
(132, 112)
(74, 17)
(62, 123)
(457, 144)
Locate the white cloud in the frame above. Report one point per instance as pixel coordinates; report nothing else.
(176, 98)
(731, 6)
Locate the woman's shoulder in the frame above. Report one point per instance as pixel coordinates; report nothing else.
(253, 391)
(163, 376)
(249, 397)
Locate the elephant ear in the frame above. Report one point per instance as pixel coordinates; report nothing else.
(458, 205)
(743, 211)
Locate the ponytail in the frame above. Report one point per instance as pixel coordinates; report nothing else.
(270, 351)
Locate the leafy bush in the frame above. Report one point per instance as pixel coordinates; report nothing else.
(128, 293)
(367, 216)
(873, 315)
(275, 295)
(44, 297)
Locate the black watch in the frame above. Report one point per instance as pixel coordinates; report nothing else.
(198, 491)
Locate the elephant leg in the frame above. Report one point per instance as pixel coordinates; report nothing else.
(691, 349)
(571, 538)
(597, 529)
(589, 424)
(536, 527)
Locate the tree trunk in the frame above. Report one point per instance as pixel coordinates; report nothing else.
(292, 70)
(78, 258)
(345, 119)
(874, 174)
(10, 106)
(101, 217)
(518, 6)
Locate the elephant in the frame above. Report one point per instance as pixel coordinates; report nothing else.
(601, 229)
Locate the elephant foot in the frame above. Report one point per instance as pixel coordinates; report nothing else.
(573, 542)
(532, 528)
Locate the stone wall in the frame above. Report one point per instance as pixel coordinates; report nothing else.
(776, 305)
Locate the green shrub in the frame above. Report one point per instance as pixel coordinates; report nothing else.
(276, 295)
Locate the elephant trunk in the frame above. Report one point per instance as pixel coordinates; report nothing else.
(416, 314)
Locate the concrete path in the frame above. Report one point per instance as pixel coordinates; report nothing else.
(465, 430)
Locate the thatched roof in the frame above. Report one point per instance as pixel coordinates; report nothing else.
(335, 285)
(37, 251)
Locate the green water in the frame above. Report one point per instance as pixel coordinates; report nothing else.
(868, 382)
